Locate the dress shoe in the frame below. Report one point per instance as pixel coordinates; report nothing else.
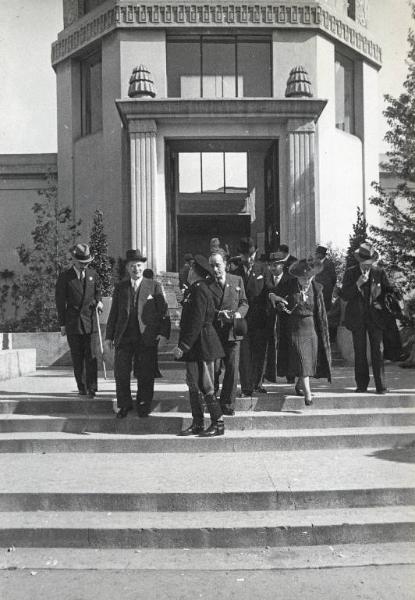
(382, 391)
(359, 390)
(91, 394)
(228, 410)
(143, 410)
(290, 379)
(245, 394)
(215, 429)
(82, 392)
(123, 412)
(260, 390)
(194, 429)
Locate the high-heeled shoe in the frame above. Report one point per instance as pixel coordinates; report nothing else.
(298, 390)
(308, 400)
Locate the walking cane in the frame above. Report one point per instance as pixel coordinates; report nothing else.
(101, 345)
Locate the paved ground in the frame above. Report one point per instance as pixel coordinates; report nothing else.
(363, 583)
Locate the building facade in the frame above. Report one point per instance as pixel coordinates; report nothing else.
(253, 118)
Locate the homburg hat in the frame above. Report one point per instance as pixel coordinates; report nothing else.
(135, 256)
(81, 253)
(366, 254)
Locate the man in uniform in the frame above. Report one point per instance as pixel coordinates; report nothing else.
(231, 306)
(138, 320)
(78, 296)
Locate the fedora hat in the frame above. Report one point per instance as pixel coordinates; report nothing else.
(321, 250)
(135, 256)
(240, 327)
(203, 264)
(81, 253)
(302, 268)
(366, 254)
(278, 257)
(246, 245)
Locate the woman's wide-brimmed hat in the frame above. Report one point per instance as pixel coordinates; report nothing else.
(203, 264)
(302, 268)
(81, 253)
(135, 256)
(366, 254)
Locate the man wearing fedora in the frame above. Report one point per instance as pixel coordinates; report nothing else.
(231, 307)
(78, 296)
(325, 274)
(254, 274)
(364, 288)
(138, 320)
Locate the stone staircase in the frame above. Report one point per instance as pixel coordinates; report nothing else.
(338, 473)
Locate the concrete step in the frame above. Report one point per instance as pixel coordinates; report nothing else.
(84, 529)
(174, 400)
(232, 441)
(174, 422)
(210, 559)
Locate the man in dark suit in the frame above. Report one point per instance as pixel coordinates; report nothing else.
(288, 258)
(230, 304)
(78, 296)
(364, 287)
(254, 274)
(326, 274)
(138, 320)
(277, 364)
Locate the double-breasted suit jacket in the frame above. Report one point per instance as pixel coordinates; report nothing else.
(76, 300)
(152, 312)
(233, 298)
(256, 286)
(198, 338)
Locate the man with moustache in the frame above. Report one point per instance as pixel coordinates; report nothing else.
(231, 306)
(137, 322)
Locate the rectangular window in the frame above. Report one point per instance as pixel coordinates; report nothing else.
(213, 172)
(91, 94)
(351, 9)
(344, 84)
(219, 67)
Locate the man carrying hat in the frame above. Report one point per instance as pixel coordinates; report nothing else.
(254, 274)
(364, 288)
(231, 306)
(138, 320)
(78, 295)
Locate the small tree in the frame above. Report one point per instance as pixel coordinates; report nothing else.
(102, 263)
(54, 233)
(338, 257)
(359, 236)
(396, 239)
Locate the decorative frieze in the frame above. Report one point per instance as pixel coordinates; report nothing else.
(202, 13)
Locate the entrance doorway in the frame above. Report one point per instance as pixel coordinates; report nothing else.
(195, 233)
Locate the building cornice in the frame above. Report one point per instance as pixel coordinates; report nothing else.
(249, 109)
(163, 14)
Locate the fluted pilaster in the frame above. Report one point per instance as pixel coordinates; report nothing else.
(143, 187)
(301, 186)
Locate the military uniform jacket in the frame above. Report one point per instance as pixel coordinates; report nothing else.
(152, 312)
(365, 306)
(232, 298)
(198, 338)
(76, 301)
(256, 285)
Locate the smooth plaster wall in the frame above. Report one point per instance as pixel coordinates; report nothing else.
(289, 49)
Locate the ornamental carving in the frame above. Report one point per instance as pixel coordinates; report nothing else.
(197, 14)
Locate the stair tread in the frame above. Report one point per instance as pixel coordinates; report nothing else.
(75, 520)
(160, 473)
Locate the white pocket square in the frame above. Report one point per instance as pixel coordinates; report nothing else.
(149, 297)
(260, 277)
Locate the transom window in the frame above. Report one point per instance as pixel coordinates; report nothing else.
(203, 66)
(213, 172)
(344, 83)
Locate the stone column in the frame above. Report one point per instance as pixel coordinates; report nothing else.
(302, 205)
(143, 187)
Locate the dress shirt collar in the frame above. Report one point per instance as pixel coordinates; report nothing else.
(78, 272)
(135, 283)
